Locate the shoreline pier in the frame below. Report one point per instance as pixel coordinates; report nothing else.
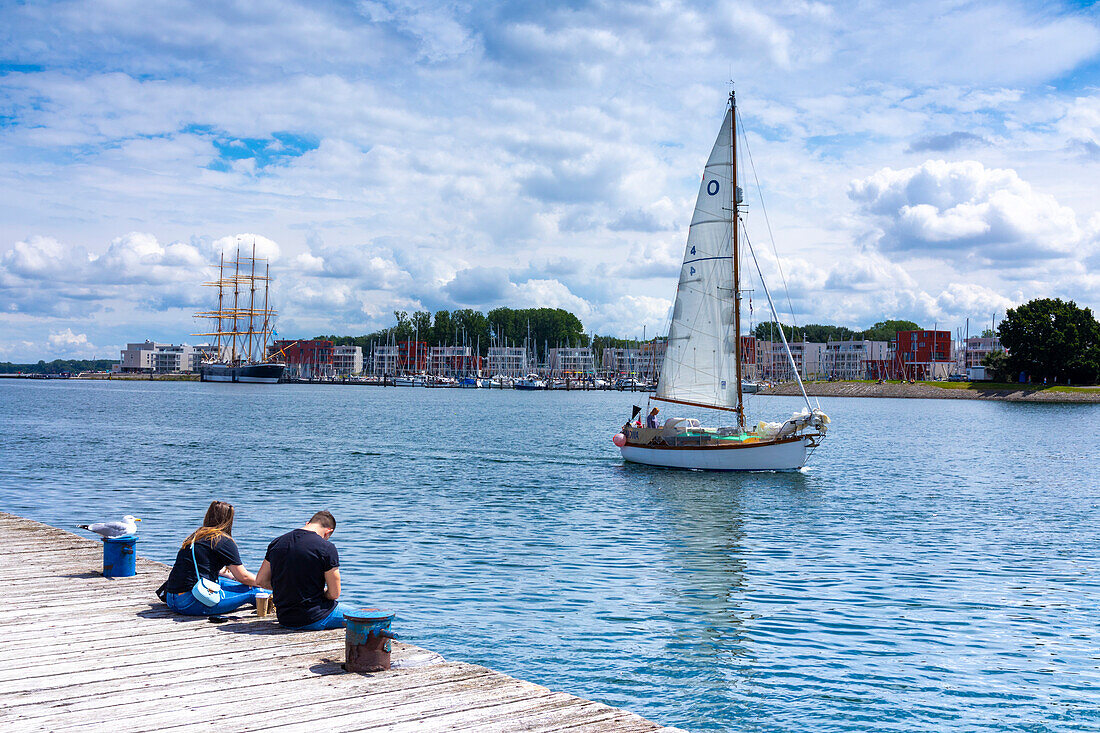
(82, 652)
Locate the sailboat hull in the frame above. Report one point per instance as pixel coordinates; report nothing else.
(264, 373)
(783, 455)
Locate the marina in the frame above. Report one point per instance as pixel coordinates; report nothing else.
(85, 652)
(921, 589)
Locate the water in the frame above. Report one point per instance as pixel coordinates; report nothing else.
(935, 567)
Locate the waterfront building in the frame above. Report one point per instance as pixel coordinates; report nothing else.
(977, 348)
(384, 360)
(347, 360)
(305, 359)
(150, 356)
(772, 364)
(854, 359)
(615, 362)
(923, 355)
(508, 361)
(138, 357)
(453, 361)
(572, 362)
(404, 357)
(178, 358)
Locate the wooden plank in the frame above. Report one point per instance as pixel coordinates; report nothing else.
(78, 651)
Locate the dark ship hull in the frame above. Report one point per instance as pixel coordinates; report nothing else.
(263, 373)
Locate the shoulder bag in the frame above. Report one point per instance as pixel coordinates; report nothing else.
(206, 592)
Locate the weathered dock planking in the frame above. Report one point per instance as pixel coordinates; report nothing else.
(82, 652)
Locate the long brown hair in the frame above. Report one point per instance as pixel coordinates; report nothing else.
(217, 523)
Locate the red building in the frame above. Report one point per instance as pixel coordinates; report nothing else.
(748, 354)
(412, 357)
(921, 355)
(305, 359)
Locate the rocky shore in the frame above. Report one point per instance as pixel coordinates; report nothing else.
(956, 391)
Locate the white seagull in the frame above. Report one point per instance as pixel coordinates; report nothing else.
(128, 525)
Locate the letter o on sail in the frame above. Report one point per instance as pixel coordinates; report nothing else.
(712, 187)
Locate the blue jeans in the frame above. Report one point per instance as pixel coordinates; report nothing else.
(334, 620)
(234, 595)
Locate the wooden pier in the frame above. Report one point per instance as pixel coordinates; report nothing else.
(82, 652)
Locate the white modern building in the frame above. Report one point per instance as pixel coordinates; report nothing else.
(138, 357)
(508, 361)
(572, 362)
(849, 359)
(385, 360)
(772, 364)
(451, 361)
(177, 359)
(620, 362)
(977, 348)
(150, 356)
(347, 360)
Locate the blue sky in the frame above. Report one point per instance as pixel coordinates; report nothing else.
(930, 161)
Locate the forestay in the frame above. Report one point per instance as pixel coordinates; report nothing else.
(700, 360)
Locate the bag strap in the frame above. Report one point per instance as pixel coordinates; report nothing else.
(198, 575)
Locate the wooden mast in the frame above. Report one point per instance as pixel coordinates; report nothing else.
(267, 316)
(236, 304)
(219, 355)
(252, 301)
(736, 262)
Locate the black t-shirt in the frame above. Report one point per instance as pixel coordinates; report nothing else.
(299, 560)
(212, 554)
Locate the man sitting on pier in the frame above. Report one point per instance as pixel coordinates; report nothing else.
(303, 569)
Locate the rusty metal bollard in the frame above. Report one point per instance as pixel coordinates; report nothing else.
(367, 640)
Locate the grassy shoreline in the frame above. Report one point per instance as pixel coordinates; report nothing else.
(945, 391)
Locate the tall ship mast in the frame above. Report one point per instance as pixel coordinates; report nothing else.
(702, 363)
(241, 325)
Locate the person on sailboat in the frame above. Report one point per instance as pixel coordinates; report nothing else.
(651, 418)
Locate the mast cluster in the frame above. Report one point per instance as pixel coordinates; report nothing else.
(241, 330)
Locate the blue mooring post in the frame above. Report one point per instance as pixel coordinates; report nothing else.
(120, 556)
(367, 640)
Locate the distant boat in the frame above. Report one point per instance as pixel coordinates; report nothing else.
(748, 387)
(529, 382)
(241, 330)
(702, 362)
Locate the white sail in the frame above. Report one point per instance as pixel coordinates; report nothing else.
(700, 360)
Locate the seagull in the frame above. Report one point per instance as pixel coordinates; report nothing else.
(128, 525)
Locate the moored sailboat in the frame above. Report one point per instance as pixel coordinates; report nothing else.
(241, 330)
(702, 363)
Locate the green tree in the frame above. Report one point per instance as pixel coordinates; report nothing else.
(887, 330)
(996, 366)
(1053, 340)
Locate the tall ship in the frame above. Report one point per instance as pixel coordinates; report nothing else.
(702, 363)
(242, 323)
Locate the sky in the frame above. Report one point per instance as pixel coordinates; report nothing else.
(931, 161)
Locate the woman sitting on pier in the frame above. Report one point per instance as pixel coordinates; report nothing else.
(212, 549)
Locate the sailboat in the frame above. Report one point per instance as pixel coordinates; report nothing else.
(241, 331)
(702, 363)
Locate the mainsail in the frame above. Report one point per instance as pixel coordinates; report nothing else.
(700, 365)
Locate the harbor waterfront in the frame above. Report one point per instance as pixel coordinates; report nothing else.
(934, 567)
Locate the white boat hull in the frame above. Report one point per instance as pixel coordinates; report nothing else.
(787, 455)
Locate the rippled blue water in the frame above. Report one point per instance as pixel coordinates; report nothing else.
(935, 567)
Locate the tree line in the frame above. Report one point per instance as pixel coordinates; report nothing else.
(819, 333)
(59, 366)
(552, 327)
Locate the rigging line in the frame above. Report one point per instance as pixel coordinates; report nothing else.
(794, 367)
(767, 221)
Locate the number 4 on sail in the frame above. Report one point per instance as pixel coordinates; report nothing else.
(702, 364)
